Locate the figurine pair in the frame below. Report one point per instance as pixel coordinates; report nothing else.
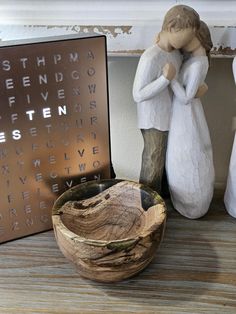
(166, 88)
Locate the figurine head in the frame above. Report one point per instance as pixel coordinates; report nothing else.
(180, 25)
(202, 38)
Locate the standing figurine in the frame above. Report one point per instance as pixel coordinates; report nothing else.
(189, 161)
(230, 193)
(157, 67)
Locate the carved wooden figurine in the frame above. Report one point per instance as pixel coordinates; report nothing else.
(230, 193)
(189, 161)
(157, 67)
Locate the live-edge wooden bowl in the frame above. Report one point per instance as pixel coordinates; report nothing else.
(110, 229)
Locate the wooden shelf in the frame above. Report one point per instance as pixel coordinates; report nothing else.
(194, 271)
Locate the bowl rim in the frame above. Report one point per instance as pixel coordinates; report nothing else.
(112, 243)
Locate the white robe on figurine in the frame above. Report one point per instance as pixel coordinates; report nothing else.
(230, 193)
(189, 160)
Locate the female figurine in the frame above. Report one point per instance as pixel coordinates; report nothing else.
(189, 162)
(230, 193)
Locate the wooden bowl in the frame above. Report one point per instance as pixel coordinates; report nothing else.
(110, 229)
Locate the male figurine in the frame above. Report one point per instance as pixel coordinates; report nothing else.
(157, 67)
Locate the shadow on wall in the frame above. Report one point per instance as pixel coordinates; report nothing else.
(220, 106)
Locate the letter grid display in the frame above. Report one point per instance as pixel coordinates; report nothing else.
(54, 127)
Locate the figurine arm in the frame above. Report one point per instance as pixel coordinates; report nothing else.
(146, 87)
(188, 93)
(151, 89)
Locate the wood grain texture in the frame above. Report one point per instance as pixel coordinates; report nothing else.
(194, 271)
(108, 235)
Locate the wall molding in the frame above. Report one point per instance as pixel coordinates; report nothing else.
(108, 12)
(130, 26)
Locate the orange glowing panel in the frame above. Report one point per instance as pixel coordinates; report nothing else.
(54, 127)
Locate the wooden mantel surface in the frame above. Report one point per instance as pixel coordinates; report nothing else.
(193, 272)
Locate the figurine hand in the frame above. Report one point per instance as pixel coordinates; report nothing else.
(169, 71)
(201, 90)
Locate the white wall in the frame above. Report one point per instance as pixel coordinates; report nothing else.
(126, 140)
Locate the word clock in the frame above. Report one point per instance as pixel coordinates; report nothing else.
(54, 127)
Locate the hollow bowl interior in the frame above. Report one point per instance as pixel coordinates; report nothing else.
(109, 210)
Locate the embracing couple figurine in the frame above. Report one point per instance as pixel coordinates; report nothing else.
(167, 88)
